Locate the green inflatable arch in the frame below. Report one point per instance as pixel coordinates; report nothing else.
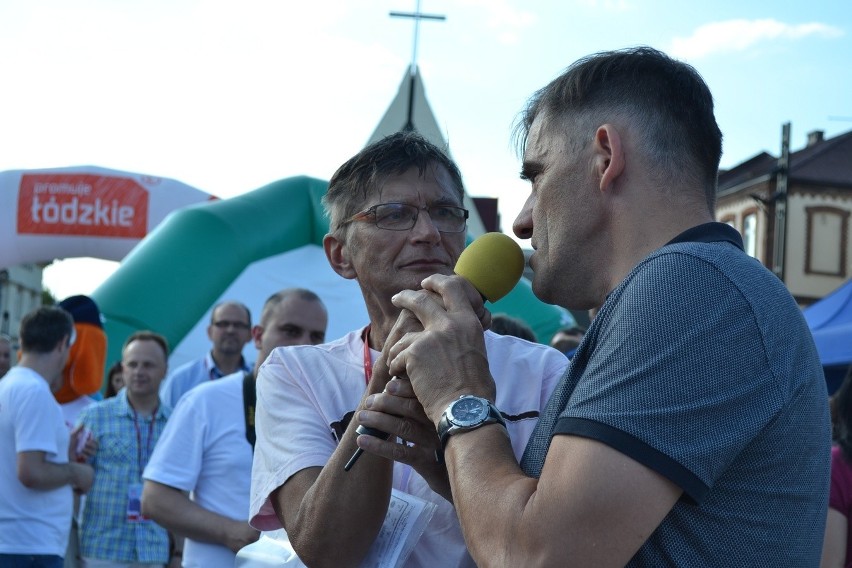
(171, 267)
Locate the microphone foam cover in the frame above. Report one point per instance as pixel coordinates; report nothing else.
(493, 263)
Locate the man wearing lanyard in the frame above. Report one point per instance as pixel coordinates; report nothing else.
(206, 448)
(113, 531)
(396, 217)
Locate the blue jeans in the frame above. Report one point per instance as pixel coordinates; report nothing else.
(30, 561)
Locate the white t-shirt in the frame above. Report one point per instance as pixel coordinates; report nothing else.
(304, 392)
(32, 521)
(204, 450)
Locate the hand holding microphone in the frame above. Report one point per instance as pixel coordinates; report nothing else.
(493, 264)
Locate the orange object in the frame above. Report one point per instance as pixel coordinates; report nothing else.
(84, 371)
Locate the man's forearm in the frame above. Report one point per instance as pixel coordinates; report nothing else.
(491, 494)
(334, 520)
(35, 472)
(592, 505)
(175, 511)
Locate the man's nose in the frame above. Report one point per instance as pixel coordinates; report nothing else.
(424, 228)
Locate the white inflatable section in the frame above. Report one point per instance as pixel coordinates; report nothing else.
(305, 267)
(83, 211)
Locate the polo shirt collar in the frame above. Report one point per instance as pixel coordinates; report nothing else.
(123, 407)
(710, 233)
(214, 372)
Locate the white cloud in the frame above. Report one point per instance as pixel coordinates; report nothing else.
(739, 35)
(503, 19)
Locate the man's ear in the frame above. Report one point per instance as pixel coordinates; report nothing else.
(257, 335)
(609, 155)
(337, 254)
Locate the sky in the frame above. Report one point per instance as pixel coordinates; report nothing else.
(231, 96)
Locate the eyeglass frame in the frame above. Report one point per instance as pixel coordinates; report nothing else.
(225, 324)
(366, 213)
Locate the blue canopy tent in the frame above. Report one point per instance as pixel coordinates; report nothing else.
(830, 320)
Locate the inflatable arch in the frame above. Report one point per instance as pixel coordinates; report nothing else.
(82, 211)
(174, 276)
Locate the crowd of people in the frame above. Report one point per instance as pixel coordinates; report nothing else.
(633, 442)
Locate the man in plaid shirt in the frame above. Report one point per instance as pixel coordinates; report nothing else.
(127, 426)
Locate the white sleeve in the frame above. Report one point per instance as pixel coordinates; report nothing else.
(292, 431)
(178, 455)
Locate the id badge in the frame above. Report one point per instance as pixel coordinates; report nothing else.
(134, 503)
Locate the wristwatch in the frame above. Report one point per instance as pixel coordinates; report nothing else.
(466, 413)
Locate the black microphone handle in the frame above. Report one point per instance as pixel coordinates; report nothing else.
(369, 432)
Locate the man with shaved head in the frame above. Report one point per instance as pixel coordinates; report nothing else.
(207, 446)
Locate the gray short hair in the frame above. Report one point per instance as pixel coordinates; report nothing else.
(667, 99)
(360, 176)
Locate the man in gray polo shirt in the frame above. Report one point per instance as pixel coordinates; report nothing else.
(692, 426)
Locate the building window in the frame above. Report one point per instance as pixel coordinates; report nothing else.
(750, 234)
(825, 241)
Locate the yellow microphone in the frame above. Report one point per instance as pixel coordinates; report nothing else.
(493, 263)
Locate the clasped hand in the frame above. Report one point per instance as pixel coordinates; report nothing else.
(436, 353)
(396, 411)
(446, 357)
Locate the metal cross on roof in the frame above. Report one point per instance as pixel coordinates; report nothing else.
(417, 15)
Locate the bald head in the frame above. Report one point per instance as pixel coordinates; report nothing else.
(293, 316)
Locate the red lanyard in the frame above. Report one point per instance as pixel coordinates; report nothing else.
(139, 438)
(368, 361)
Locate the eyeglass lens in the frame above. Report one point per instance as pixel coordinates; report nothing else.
(401, 216)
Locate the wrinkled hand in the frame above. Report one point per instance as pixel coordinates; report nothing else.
(395, 410)
(399, 413)
(477, 304)
(447, 358)
(381, 374)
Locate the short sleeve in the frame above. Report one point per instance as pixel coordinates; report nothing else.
(34, 431)
(291, 433)
(177, 457)
(678, 380)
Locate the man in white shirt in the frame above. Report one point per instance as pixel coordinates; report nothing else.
(206, 448)
(36, 473)
(396, 217)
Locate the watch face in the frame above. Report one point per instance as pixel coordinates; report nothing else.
(468, 411)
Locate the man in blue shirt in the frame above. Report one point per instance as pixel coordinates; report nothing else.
(229, 331)
(692, 425)
(126, 427)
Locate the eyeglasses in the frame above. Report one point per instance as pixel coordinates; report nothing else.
(224, 324)
(402, 217)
